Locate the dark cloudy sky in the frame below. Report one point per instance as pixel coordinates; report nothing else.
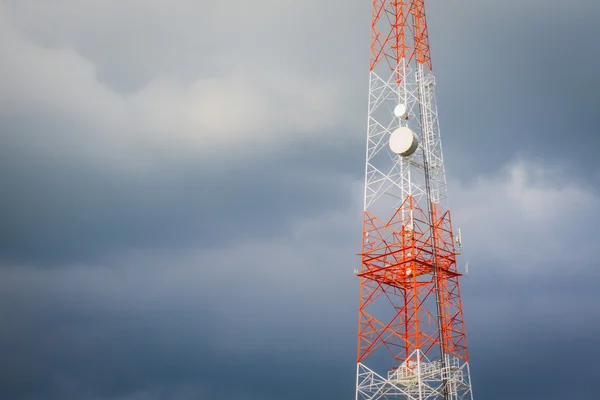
(182, 191)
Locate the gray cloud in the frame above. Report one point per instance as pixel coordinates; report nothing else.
(55, 214)
(192, 174)
(181, 323)
(517, 77)
(93, 171)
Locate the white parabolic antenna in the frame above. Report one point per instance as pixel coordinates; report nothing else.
(400, 110)
(403, 141)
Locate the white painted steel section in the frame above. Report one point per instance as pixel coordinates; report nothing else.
(417, 379)
(387, 173)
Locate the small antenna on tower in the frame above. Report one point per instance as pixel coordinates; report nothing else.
(459, 238)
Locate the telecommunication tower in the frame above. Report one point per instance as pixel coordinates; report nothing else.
(411, 337)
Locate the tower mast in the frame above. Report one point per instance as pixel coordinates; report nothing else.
(411, 337)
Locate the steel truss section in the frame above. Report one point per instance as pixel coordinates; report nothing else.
(390, 174)
(418, 378)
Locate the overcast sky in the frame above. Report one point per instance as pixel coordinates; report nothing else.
(182, 195)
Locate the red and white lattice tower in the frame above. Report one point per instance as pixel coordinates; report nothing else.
(411, 337)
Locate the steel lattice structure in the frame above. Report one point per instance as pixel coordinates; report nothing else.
(411, 337)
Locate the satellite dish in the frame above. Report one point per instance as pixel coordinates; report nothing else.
(400, 110)
(403, 141)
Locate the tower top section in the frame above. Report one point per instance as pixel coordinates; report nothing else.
(399, 32)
